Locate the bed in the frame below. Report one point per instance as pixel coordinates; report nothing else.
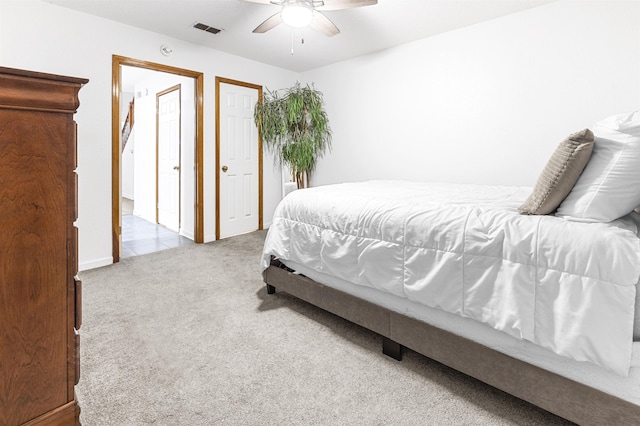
(542, 306)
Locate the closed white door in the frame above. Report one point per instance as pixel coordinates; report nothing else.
(168, 202)
(238, 160)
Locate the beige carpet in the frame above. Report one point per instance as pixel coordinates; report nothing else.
(188, 336)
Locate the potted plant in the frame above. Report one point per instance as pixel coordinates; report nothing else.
(295, 127)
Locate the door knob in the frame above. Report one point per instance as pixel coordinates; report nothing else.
(225, 168)
(176, 167)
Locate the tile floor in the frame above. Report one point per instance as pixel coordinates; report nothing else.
(142, 237)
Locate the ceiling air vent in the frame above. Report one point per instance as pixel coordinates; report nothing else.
(207, 28)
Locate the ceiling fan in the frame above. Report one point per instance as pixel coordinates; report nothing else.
(302, 13)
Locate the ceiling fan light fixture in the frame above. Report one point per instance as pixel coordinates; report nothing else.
(296, 15)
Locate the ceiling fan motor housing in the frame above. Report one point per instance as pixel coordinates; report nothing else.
(303, 13)
(297, 14)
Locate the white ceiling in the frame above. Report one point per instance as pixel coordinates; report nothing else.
(363, 30)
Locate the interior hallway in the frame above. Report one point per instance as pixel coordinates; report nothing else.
(140, 236)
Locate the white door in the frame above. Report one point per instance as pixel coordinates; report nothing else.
(238, 160)
(168, 104)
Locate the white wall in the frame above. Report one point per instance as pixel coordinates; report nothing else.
(42, 37)
(128, 157)
(486, 103)
(128, 167)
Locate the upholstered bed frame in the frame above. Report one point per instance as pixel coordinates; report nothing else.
(564, 397)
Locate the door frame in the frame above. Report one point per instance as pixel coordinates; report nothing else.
(116, 153)
(221, 80)
(177, 87)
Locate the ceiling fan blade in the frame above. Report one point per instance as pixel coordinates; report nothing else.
(259, 1)
(345, 4)
(269, 23)
(274, 2)
(323, 24)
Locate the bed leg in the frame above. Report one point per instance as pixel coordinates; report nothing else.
(270, 289)
(391, 348)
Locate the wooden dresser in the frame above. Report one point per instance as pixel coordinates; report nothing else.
(40, 296)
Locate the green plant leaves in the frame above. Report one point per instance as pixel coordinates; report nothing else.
(294, 126)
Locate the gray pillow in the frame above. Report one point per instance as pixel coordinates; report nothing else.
(560, 174)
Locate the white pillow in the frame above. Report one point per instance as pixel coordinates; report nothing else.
(609, 186)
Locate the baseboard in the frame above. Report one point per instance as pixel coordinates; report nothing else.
(96, 263)
(188, 234)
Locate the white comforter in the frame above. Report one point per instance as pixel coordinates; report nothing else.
(567, 286)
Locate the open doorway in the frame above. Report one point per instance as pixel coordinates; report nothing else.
(154, 124)
(139, 184)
